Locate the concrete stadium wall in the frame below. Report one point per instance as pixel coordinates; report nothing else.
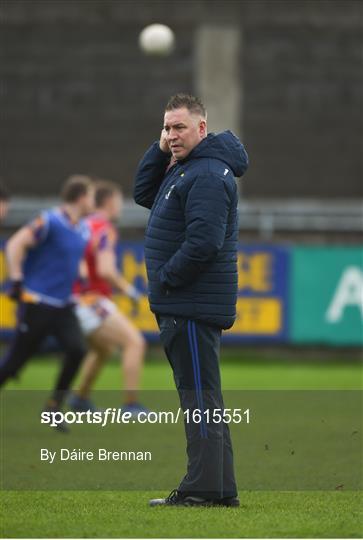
(78, 95)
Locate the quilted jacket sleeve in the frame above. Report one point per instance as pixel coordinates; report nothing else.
(206, 213)
(149, 175)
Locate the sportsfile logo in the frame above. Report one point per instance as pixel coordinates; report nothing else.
(108, 416)
(116, 416)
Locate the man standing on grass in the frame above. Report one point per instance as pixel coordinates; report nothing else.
(43, 263)
(187, 180)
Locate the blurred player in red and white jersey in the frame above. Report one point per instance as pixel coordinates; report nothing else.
(105, 326)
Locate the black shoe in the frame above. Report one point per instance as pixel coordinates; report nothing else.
(227, 501)
(178, 499)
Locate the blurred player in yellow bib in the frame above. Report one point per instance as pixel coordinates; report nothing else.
(104, 325)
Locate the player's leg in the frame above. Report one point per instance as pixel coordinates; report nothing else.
(70, 337)
(32, 327)
(117, 331)
(91, 367)
(92, 364)
(106, 329)
(91, 313)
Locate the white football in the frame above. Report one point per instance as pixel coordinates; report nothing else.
(157, 39)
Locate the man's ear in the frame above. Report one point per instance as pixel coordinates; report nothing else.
(203, 128)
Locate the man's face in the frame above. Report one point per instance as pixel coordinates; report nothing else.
(87, 202)
(183, 131)
(114, 206)
(4, 207)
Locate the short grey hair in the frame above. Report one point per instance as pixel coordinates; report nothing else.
(192, 103)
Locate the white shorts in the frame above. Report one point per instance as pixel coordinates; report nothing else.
(92, 311)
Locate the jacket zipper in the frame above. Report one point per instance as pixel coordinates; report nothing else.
(161, 190)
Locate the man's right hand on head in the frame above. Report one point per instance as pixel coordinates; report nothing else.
(164, 146)
(15, 290)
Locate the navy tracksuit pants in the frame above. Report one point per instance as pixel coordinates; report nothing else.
(192, 348)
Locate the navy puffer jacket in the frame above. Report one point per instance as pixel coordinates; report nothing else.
(192, 233)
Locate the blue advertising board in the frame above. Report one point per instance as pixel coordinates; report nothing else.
(262, 306)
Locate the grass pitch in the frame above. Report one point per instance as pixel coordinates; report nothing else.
(126, 514)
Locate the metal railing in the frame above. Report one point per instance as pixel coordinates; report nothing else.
(263, 216)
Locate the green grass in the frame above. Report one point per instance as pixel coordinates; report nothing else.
(240, 370)
(273, 514)
(126, 515)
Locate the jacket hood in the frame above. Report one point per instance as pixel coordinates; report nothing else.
(224, 146)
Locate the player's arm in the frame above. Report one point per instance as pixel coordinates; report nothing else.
(106, 266)
(151, 171)
(206, 212)
(16, 249)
